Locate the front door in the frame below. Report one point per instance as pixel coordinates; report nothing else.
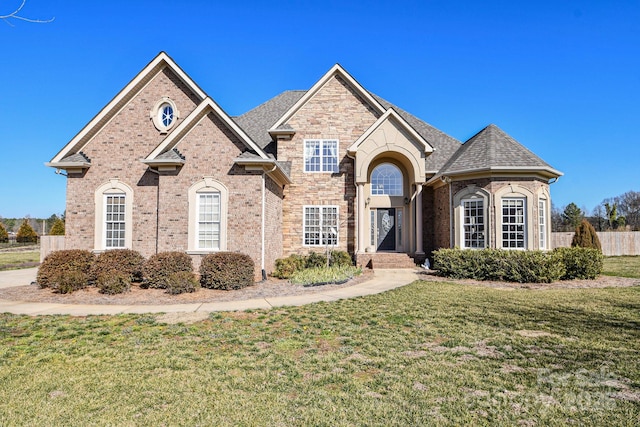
(386, 229)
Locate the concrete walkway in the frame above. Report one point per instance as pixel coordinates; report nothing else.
(382, 280)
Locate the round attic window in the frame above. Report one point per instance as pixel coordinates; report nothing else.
(164, 114)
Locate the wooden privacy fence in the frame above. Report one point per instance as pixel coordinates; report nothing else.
(49, 244)
(614, 243)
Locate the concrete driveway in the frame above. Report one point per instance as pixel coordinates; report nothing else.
(21, 277)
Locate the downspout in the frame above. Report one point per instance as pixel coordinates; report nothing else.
(262, 227)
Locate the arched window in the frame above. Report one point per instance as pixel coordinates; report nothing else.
(386, 180)
(113, 216)
(208, 201)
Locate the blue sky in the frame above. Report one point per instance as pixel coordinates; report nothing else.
(561, 77)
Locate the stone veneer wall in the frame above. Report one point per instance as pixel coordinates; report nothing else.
(115, 152)
(334, 112)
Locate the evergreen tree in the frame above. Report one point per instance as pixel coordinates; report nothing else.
(26, 234)
(586, 236)
(4, 236)
(57, 229)
(572, 215)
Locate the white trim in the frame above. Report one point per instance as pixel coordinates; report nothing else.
(391, 114)
(113, 186)
(543, 226)
(206, 185)
(524, 223)
(154, 114)
(336, 70)
(139, 82)
(470, 193)
(304, 224)
(320, 155)
(191, 121)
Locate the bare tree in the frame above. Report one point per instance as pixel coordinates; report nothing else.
(16, 15)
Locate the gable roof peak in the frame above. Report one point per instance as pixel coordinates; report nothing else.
(153, 68)
(336, 69)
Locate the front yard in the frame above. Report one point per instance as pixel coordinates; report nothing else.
(429, 353)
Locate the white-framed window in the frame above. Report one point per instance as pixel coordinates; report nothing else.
(320, 226)
(514, 226)
(114, 221)
(386, 179)
(321, 155)
(164, 114)
(208, 225)
(113, 216)
(542, 222)
(208, 205)
(473, 223)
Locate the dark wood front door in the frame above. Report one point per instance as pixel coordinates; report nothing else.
(386, 229)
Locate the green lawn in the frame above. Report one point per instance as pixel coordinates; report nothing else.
(622, 266)
(21, 259)
(425, 354)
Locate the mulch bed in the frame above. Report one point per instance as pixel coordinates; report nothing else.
(269, 289)
(138, 296)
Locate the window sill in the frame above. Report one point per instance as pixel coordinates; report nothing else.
(202, 251)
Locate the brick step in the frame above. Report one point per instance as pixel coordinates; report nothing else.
(385, 260)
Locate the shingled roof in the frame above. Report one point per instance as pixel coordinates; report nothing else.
(257, 122)
(492, 149)
(444, 145)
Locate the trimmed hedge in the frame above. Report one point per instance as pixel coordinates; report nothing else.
(287, 267)
(226, 270)
(519, 266)
(130, 263)
(182, 282)
(59, 264)
(340, 259)
(159, 267)
(113, 282)
(580, 263)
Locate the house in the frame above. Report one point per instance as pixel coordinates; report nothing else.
(162, 167)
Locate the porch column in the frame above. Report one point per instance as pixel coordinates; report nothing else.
(419, 249)
(360, 225)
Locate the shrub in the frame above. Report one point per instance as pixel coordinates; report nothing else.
(226, 270)
(182, 282)
(26, 234)
(286, 267)
(500, 265)
(4, 236)
(60, 263)
(340, 259)
(160, 266)
(128, 262)
(67, 282)
(57, 229)
(580, 263)
(586, 236)
(113, 282)
(315, 260)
